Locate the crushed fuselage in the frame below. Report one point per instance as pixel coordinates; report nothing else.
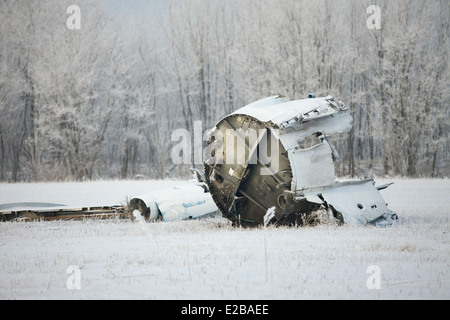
(275, 153)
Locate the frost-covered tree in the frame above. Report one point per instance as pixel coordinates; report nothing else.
(102, 101)
(57, 92)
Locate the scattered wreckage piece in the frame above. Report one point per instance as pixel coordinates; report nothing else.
(190, 201)
(31, 211)
(298, 177)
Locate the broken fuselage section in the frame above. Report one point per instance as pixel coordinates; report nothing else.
(184, 202)
(275, 153)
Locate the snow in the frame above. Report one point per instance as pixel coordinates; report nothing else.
(209, 259)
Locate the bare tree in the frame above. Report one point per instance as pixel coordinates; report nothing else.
(102, 101)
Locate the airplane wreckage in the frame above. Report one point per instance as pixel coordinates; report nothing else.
(247, 186)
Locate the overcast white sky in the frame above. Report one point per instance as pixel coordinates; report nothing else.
(150, 10)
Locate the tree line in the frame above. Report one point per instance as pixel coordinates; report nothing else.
(101, 101)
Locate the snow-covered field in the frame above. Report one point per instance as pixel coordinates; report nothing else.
(209, 259)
